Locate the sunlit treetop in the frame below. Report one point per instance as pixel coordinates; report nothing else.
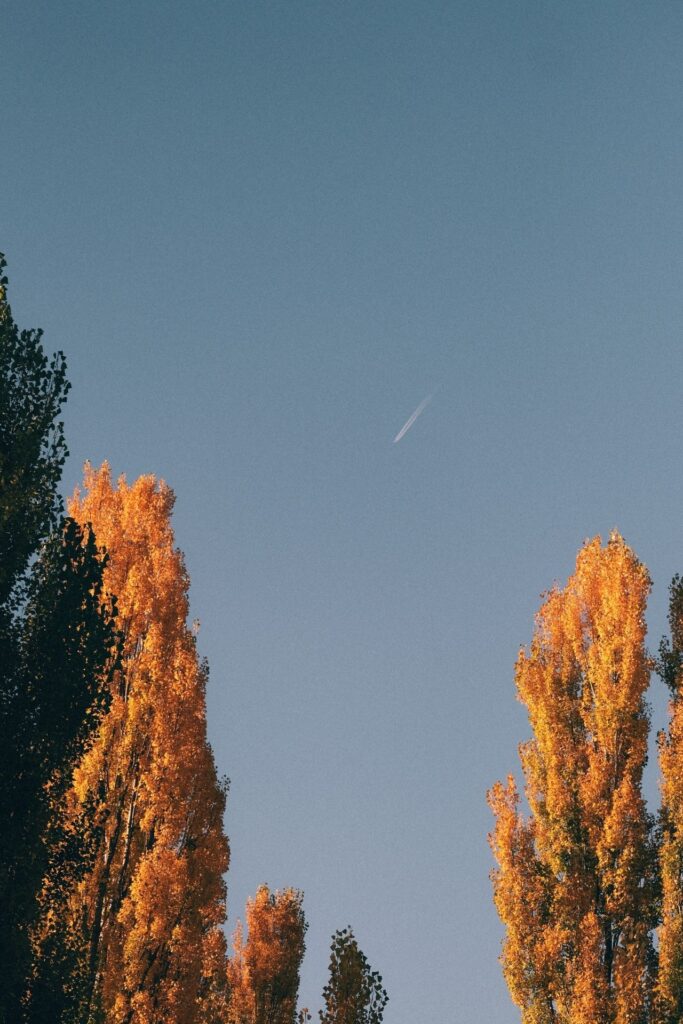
(154, 902)
(263, 972)
(575, 882)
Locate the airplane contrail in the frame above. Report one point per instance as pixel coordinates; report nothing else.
(411, 419)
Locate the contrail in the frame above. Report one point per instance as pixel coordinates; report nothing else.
(409, 422)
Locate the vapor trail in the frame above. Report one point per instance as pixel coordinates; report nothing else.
(409, 422)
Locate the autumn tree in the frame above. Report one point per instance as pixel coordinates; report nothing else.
(152, 905)
(354, 993)
(263, 973)
(575, 881)
(56, 636)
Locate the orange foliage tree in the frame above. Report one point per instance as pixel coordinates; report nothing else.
(263, 973)
(153, 903)
(575, 884)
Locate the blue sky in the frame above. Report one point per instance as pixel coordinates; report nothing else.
(262, 233)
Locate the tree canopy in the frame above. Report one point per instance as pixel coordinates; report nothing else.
(57, 637)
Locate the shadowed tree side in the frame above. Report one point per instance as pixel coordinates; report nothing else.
(67, 638)
(354, 993)
(670, 980)
(33, 390)
(575, 884)
(56, 635)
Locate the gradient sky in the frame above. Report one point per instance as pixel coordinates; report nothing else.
(263, 233)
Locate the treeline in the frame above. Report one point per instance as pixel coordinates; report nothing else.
(112, 847)
(589, 885)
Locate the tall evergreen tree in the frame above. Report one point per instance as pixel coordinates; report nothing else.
(576, 882)
(56, 637)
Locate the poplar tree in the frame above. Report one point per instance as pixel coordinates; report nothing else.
(263, 973)
(575, 884)
(670, 979)
(33, 390)
(152, 905)
(354, 993)
(55, 637)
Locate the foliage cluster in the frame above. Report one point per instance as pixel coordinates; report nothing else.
(112, 851)
(589, 885)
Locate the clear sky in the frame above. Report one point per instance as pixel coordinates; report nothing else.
(263, 233)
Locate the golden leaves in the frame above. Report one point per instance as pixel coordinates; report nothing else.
(154, 900)
(263, 973)
(574, 883)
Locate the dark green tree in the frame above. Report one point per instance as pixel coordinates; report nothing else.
(32, 447)
(354, 993)
(56, 637)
